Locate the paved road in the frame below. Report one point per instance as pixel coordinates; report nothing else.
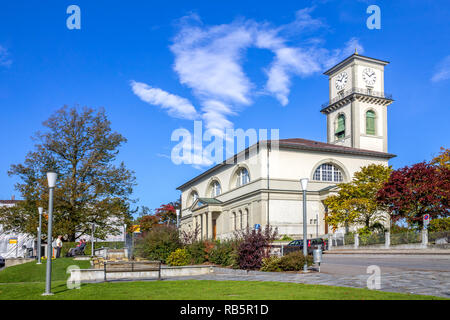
(427, 275)
(352, 264)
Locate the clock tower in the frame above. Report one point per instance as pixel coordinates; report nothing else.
(357, 108)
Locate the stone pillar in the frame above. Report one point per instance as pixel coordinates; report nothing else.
(330, 241)
(356, 241)
(424, 238)
(210, 227)
(204, 227)
(387, 240)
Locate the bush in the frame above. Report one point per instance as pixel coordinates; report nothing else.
(294, 261)
(223, 254)
(158, 243)
(197, 252)
(253, 247)
(179, 257)
(271, 264)
(439, 225)
(286, 238)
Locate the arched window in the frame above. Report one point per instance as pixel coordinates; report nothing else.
(192, 197)
(340, 127)
(216, 189)
(370, 122)
(328, 172)
(243, 177)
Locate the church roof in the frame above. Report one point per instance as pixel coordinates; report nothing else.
(301, 144)
(351, 58)
(304, 144)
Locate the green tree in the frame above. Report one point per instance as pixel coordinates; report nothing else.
(356, 201)
(81, 147)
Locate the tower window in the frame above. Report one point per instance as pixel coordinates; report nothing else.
(328, 172)
(243, 177)
(340, 127)
(370, 122)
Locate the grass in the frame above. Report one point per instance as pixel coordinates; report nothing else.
(27, 282)
(32, 272)
(198, 290)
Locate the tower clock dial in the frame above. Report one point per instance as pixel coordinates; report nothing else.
(341, 80)
(369, 76)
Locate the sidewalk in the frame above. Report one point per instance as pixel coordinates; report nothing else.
(390, 251)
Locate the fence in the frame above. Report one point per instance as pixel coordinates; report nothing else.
(411, 239)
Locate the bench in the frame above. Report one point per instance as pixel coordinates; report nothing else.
(131, 266)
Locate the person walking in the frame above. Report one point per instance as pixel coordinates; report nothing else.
(59, 245)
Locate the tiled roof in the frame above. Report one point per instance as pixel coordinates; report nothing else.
(303, 144)
(9, 201)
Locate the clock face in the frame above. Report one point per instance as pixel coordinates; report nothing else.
(369, 76)
(341, 80)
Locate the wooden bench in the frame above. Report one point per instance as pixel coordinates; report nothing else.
(131, 266)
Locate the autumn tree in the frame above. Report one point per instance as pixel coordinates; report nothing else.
(443, 159)
(356, 202)
(167, 214)
(416, 190)
(91, 188)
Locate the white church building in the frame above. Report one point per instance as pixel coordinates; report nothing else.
(263, 188)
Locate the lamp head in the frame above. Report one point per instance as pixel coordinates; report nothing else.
(51, 178)
(41, 211)
(304, 183)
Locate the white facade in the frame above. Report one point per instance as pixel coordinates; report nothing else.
(272, 194)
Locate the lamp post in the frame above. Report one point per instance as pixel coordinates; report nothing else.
(304, 184)
(92, 240)
(41, 211)
(51, 177)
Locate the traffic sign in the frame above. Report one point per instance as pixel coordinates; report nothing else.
(426, 220)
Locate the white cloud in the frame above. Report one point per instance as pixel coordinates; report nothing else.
(4, 57)
(176, 106)
(442, 70)
(210, 61)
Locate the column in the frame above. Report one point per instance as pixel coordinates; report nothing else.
(387, 240)
(356, 241)
(424, 237)
(210, 227)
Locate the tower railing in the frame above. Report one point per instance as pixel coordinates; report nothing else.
(367, 92)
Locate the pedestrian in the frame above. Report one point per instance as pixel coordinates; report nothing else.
(59, 245)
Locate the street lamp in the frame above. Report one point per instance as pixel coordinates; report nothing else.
(92, 240)
(51, 178)
(41, 211)
(304, 184)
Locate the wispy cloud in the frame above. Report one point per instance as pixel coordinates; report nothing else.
(442, 70)
(209, 59)
(176, 106)
(5, 61)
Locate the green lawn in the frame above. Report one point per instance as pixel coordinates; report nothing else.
(198, 290)
(32, 272)
(27, 282)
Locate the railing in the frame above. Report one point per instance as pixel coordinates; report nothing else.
(351, 91)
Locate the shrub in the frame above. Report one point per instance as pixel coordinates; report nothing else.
(158, 243)
(286, 238)
(439, 225)
(223, 253)
(197, 252)
(271, 264)
(253, 247)
(179, 257)
(294, 261)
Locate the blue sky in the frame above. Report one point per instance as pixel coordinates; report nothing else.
(155, 66)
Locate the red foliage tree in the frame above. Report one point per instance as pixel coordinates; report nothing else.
(416, 190)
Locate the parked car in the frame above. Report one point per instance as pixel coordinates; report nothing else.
(2, 262)
(312, 244)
